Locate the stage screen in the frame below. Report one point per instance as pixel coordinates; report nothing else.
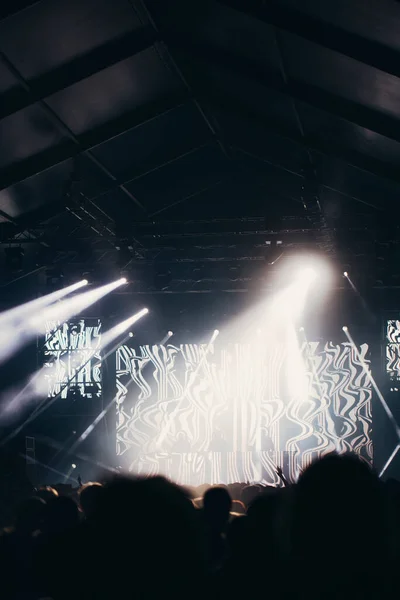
(392, 347)
(72, 352)
(200, 413)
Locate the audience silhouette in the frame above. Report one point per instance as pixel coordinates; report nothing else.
(332, 534)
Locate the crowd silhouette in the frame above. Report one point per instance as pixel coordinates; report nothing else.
(332, 534)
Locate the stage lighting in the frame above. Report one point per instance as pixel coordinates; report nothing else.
(131, 334)
(84, 282)
(345, 274)
(122, 327)
(123, 280)
(345, 328)
(170, 333)
(308, 275)
(73, 466)
(69, 307)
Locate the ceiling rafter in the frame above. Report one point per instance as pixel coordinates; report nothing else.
(186, 81)
(323, 146)
(13, 7)
(318, 31)
(88, 141)
(151, 166)
(66, 131)
(333, 104)
(318, 144)
(47, 159)
(78, 69)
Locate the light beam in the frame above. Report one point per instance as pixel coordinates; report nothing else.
(380, 396)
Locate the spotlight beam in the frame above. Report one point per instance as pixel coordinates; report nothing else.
(37, 462)
(180, 400)
(53, 444)
(373, 383)
(389, 460)
(15, 335)
(324, 395)
(380, 396)
(46, 403)
(85, 300)
(108, 337)
(19, 312)
(113, 333)
(103, 413)
(98, 418)
(69, 308)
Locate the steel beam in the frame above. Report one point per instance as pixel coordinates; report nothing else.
(324, 146)
(9, 8)
(335, 105)
(368, 51)
(77, 70)
(52, 157)
(150, 166)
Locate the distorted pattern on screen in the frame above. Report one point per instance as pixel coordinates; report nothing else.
(200, 414)
(72, 358)
(393, 349)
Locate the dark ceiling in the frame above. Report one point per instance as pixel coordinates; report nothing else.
(191, 143)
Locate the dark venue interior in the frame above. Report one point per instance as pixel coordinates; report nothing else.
(199, 298)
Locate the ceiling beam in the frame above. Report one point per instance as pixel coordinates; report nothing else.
(370, 52)
(249, 69)
(88, 141)
(11, 8)
(186, 79)
(77, 70)
(152, 165)
(322, 145)
(228, 105)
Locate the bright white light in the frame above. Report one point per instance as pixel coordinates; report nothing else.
(298, 383)
(73, 466)
(113, 333)
(305, 270)
(345, 328)
(308, 275)
(216, 332)
(123, 280)
(345, 274)
(72, 306)
(131, 334)
(170, 333)
(18, 313)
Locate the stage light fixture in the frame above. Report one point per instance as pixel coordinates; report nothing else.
(170, 333)
(216, 332)
(131, 334)
(122, 327)
(345, 328)
(123, 280)
(345, 274)
(70, 306)
(73, 466)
